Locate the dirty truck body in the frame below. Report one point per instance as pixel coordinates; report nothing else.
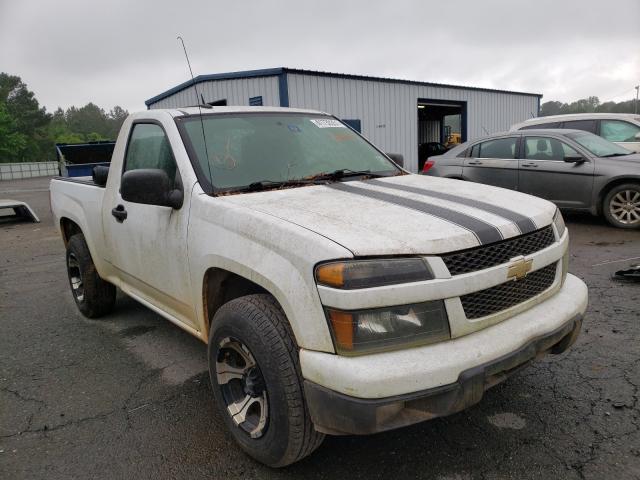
(344, 303)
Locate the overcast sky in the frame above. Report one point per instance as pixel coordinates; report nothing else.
(122, 52)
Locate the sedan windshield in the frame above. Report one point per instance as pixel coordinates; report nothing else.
(598, 145)
(275, 149)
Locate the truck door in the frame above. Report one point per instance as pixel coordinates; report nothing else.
(544, 172)
(493, 162)
(147, 243)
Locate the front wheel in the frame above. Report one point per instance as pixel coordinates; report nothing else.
(256, 380)
(621, 206)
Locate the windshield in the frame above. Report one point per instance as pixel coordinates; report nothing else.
(598, 145)
(242, 149)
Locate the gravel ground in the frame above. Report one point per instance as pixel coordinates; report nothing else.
(128, 396)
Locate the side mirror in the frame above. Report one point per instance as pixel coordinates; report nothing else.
(150, 186)
(577, 159)
(100, 174)
(397, 158)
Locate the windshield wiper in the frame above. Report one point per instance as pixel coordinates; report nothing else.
(268, 184)
(296, 182)
(615, 155)
(346, 172)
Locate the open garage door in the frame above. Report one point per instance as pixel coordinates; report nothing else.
(442, 124)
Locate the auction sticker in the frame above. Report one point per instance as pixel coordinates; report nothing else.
(326, 123)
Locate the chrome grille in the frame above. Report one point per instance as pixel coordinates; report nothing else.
(495, 299)
(479, 258)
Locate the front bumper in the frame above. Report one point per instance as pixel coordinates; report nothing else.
(338, 414)
(373, 393)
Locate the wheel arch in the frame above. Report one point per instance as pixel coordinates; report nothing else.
(220, 286)
(68, 228)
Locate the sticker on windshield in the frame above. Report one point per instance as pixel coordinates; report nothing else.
(327, 123)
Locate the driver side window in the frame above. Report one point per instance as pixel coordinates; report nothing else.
(544, 148)
(149, 148)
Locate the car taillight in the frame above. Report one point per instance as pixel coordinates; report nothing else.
(427, 165)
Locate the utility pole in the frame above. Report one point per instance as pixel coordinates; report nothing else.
(635, 107)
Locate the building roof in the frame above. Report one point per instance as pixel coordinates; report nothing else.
(270, 72)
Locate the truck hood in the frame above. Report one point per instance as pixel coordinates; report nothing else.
(408, 214)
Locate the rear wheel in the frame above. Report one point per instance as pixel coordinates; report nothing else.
(256, 380)
(93, 296)
(621, 206)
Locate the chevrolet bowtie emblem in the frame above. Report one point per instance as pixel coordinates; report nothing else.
(519, 269)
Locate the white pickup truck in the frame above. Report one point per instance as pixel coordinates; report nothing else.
(337, 293)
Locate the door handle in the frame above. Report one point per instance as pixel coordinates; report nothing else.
(120, 213)
(534, 165)
(474, 162)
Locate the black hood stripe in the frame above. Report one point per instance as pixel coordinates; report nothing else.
(524, 223)
(484, 232)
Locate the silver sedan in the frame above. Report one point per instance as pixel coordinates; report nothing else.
(574, 169)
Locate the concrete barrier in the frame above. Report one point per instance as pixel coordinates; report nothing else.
(13, 171)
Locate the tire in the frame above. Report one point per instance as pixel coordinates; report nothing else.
(274, 426)
(94, 296)
(621, 206)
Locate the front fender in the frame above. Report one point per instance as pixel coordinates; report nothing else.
(271, 252)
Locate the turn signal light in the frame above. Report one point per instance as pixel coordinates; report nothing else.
(331, 274)
(372, 273)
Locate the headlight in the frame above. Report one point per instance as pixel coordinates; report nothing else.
(354, 274)
(366, 331)
(558, 221)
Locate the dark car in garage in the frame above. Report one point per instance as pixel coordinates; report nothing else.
(575, 169)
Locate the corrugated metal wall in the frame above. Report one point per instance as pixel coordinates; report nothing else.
(429, 131)
(388, 110)
(236, 92)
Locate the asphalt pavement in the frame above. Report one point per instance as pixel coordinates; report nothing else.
(128, 396)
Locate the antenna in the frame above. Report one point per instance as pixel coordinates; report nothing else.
(195, 87)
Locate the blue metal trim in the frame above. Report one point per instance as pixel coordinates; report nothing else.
(268, 72)
(283, 88)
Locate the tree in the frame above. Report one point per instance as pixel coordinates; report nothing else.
(12, 142)
(551, 108)
(28, 119)
(586, 105)
(28, 132)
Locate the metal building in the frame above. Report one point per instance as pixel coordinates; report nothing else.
(396, 115)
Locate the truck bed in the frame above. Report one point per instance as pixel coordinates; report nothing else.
(79, 200)
(81, 180)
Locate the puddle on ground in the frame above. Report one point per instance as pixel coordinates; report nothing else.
(507, 420)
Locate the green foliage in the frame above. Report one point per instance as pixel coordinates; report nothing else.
(586, 105)
(12, 142)
(28, 133)
(27, 125)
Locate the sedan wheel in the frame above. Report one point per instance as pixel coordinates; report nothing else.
(622, 206)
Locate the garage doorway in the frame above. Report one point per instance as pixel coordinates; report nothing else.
(442, 124)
